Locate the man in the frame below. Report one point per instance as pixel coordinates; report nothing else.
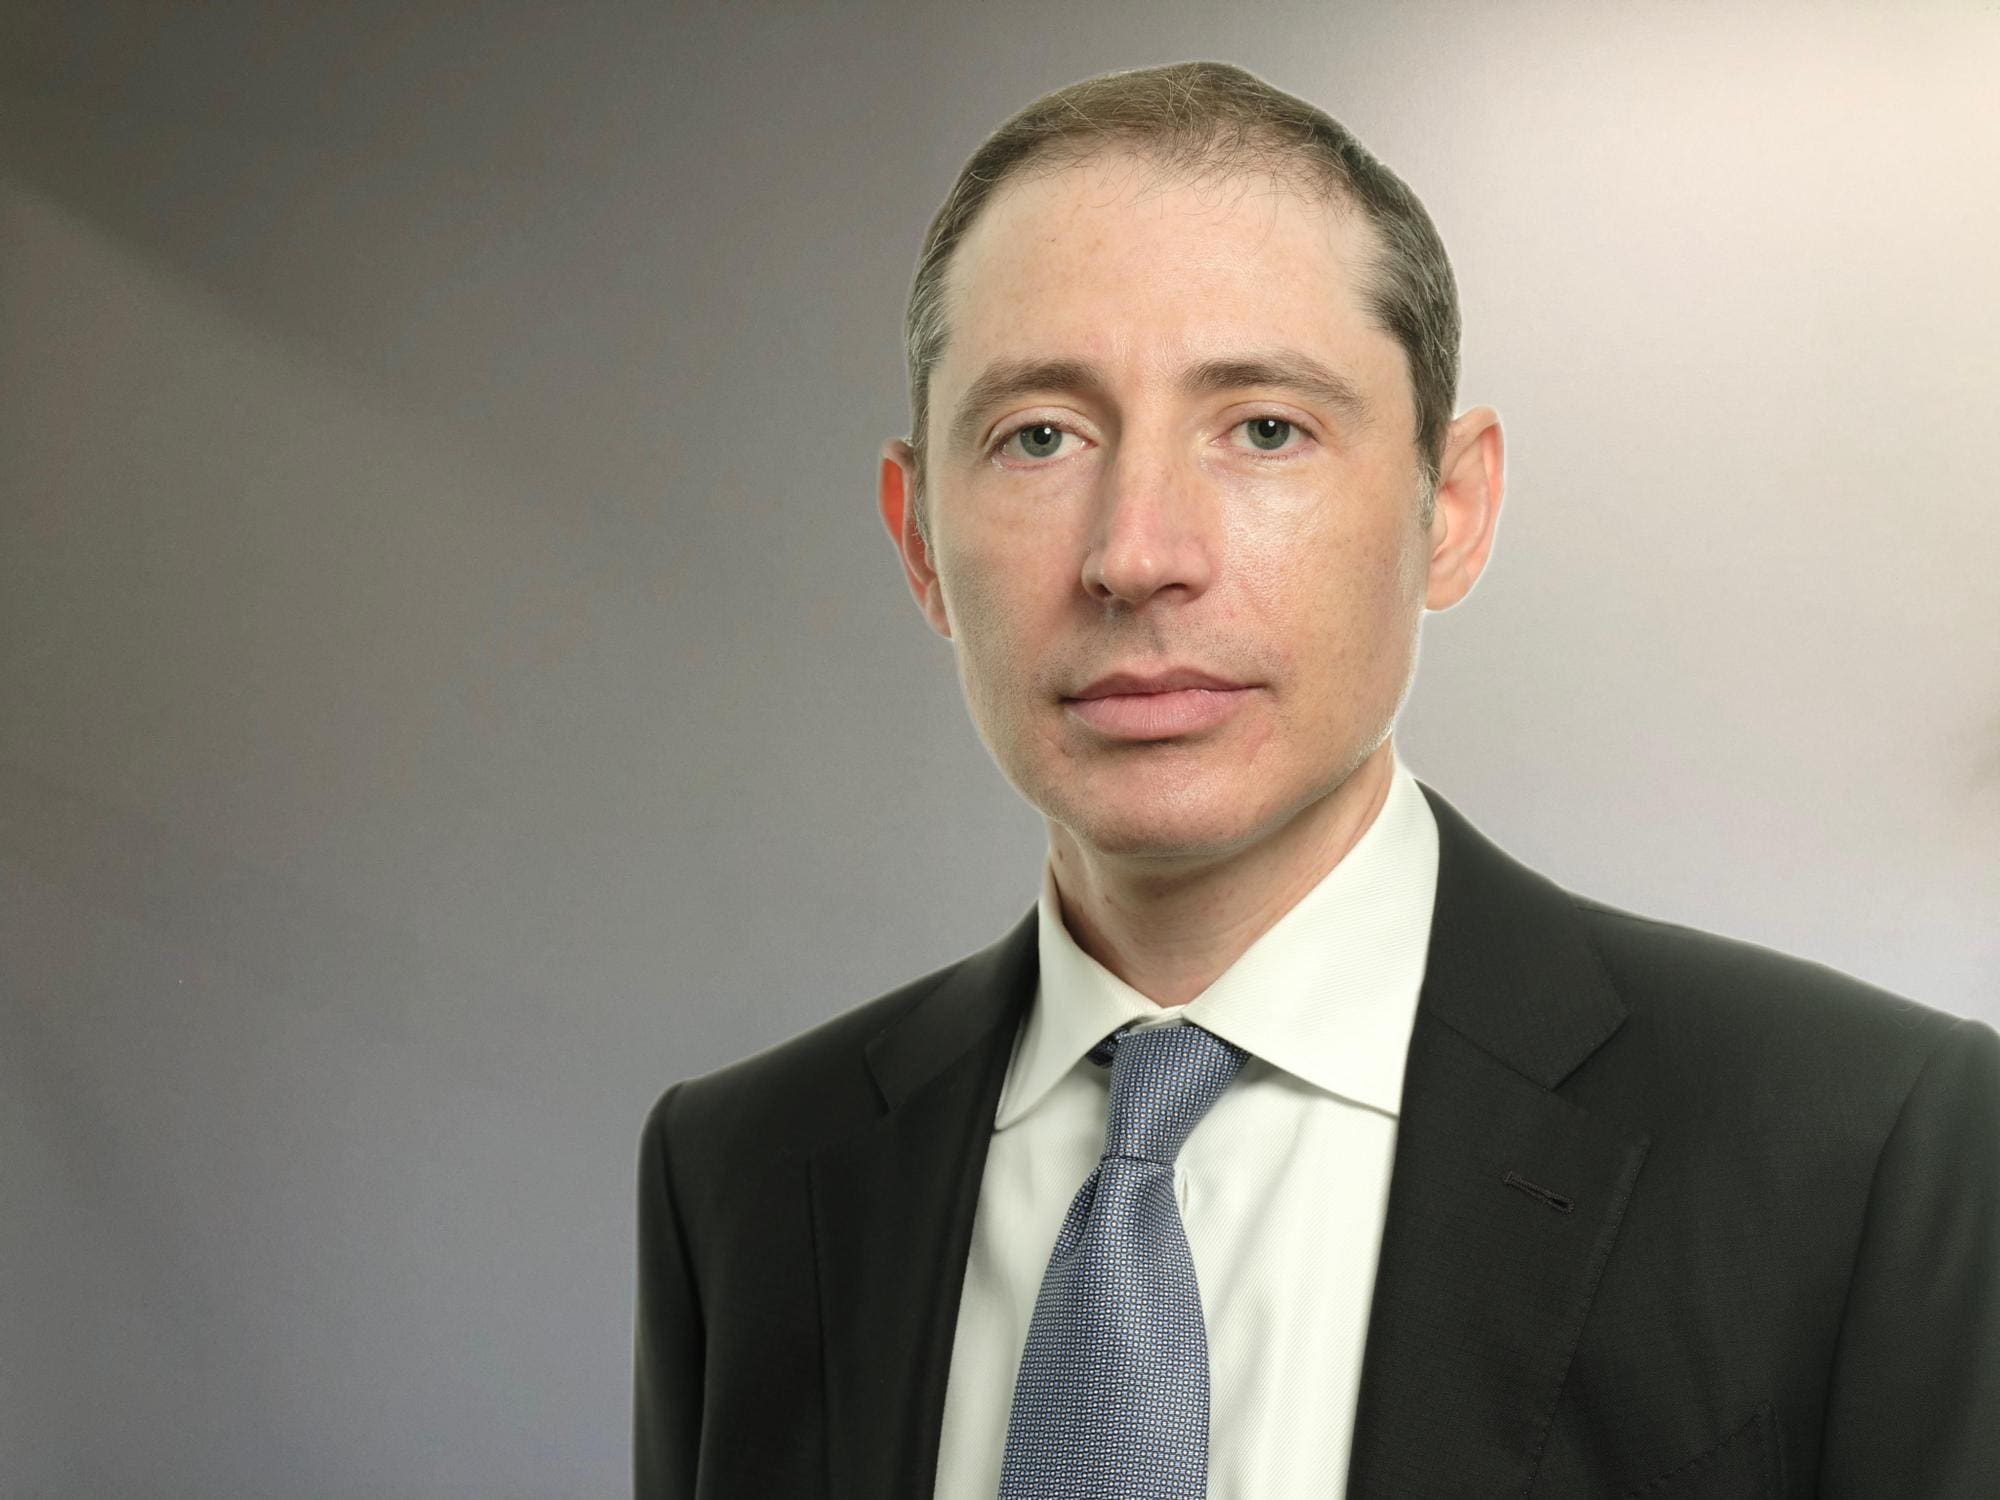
(1299, 1141)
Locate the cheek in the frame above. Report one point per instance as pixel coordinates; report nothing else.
(1007, 587)
(972, 599)
(992, 636)
(1329, 607)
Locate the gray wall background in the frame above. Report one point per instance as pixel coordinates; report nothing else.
(453, 681)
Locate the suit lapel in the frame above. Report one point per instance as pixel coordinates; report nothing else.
(893, 1208)
(1503, 1204)
(1504, 1200)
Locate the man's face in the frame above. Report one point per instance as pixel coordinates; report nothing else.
(1259, 530)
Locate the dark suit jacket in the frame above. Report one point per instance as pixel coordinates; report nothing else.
(1671, 1215)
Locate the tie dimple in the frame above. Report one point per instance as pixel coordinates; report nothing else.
(1112, 1395)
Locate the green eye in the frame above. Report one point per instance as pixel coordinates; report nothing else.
(1285, 424)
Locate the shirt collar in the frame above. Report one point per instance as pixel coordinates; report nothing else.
(1328, 993)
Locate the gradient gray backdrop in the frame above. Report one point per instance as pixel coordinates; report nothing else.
(454, 682)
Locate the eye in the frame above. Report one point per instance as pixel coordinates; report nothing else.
(1039, 435)
(1043, 440)
(1268, 432)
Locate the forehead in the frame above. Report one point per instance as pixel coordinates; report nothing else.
(1117, 260)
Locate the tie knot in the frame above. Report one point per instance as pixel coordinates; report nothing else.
(1163, 1080)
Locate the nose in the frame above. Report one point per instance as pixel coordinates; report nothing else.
(1155, 528)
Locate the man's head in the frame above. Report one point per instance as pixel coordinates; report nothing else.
(1182, 359)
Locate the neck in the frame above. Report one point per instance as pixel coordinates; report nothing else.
(1170, 936)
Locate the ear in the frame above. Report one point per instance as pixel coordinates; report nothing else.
(1472, 477)
(899, 473)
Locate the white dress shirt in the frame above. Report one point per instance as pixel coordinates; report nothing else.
(1282, 1185)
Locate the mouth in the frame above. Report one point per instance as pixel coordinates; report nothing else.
(1159, 715)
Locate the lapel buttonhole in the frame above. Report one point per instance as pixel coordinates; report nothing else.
(1535, 1190)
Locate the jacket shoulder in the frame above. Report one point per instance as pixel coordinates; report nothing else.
(791, 1096)
(1771, 1029)
(1656, 958)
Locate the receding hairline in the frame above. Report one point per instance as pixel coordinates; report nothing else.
(1164, 164)
(1174, 160)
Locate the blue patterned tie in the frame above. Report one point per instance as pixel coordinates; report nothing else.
(1112, 1398)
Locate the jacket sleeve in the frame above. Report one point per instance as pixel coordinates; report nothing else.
(668, 1337)
(1915, 1388)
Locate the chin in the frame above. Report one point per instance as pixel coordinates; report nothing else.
(1151, 828)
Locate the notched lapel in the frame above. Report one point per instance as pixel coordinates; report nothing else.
(892, 1212)
(1483, 1284)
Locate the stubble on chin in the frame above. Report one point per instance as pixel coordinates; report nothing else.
(1130, 810)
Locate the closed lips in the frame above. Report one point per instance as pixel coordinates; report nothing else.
(1121, 683)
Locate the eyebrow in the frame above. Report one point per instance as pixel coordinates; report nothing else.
(1283, 369)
